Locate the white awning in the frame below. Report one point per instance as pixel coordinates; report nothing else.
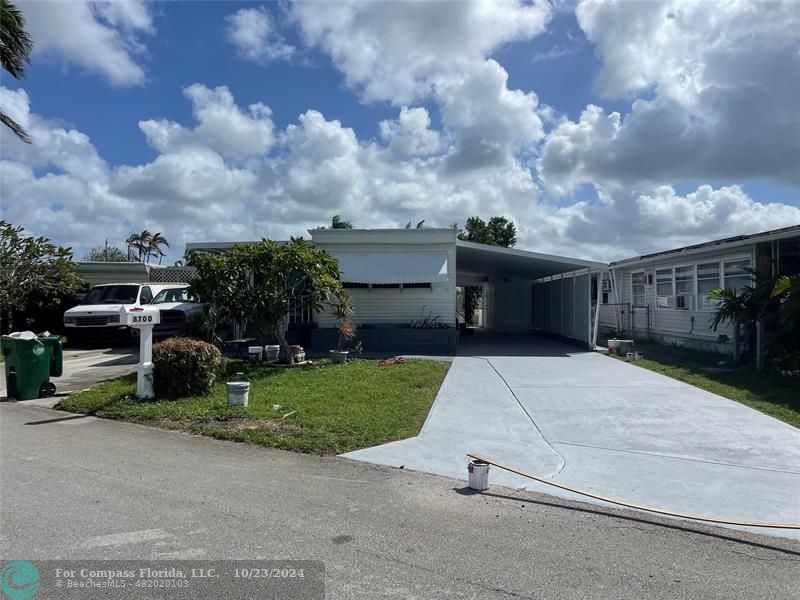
(393, 267)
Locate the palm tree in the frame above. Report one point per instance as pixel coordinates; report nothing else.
(155, 243)
(132, 242)
(141, 243)
(15, 52)
(787, 290)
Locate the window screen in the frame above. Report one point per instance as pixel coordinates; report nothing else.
(637, 289)
(736, 278)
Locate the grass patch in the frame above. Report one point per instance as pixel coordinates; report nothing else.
(769, 392)
(338, 408)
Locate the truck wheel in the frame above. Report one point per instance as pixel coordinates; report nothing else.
(47, 389)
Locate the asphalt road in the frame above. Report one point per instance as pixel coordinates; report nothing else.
(77, 487)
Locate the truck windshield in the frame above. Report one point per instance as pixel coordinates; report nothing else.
(112, 294)
(173, 295)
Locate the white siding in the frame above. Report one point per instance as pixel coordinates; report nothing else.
(562, 303)
(392, 305)
(399, 306)
(670, 321)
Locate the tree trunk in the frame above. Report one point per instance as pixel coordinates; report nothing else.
(280, 333)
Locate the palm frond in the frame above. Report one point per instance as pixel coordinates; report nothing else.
(18, 129)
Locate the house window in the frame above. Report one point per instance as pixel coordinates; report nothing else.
(684, 288)
(707, 280)
(606, 290)
(664, 291)
(736, 278)
(637, 289)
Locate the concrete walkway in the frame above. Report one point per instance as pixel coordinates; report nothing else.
(608, 427)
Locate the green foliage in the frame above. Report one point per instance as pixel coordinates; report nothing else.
(260, 283)
(201, 326)
(15, 51)
(33, 271)
(106, 254)
(184, 367)
(338, 223)
(499, 231)
(777, 303)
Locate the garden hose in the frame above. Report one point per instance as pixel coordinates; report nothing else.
(658, 511)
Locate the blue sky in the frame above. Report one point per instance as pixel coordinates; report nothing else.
(602, 129)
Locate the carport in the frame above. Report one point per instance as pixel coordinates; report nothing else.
(526, 291)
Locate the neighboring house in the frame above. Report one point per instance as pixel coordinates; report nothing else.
(404, 284)
(95, 273)
(663, 296)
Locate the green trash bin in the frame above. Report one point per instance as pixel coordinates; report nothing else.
(30, 364)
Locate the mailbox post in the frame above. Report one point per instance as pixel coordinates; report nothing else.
(143, 318)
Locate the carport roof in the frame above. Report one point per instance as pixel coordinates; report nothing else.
(480, 259)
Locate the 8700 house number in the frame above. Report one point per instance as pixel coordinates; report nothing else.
(142, 319)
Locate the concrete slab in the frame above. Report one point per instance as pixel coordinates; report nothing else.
(84, 368)
(474, 411)
(611, 428)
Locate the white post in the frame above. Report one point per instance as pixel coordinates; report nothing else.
(143, 319)
(144, 372)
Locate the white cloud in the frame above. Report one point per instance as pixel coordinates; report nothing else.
(410, 136)
(722, 81)
(626, 222)
(252, 31)
(52, 145)
(222, 126)
(317, 167)
(395, 51)
(491, 122)
(101, 37)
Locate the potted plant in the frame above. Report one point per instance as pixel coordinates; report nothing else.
(342, 311)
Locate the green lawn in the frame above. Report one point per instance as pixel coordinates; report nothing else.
(770, 393)
(337, 407)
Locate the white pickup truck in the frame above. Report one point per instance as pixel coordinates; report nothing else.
(98, 313)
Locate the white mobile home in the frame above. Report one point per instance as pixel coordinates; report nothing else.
(662, 296)
(404, 284)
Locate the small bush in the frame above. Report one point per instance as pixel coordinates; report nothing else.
(185, 367)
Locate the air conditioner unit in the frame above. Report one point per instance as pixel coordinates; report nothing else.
(663, 301)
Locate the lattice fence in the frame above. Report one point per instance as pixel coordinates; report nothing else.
(172, 275)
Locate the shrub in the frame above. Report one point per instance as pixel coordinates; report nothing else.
(185, 367)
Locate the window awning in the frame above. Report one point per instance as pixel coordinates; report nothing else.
(393, 267)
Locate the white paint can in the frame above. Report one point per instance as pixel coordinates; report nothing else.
(254, 352)
(238, 391)
(478, 475)
(271, 352)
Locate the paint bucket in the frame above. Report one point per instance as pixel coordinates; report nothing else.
(254, 353)
(271, 353)
(238, 391)
(478, 475)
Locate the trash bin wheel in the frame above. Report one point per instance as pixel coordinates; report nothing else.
(47, 389)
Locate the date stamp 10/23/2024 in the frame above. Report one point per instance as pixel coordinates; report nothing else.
(178, 579)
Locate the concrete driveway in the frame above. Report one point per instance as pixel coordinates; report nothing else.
(598, 424)
(84, 368)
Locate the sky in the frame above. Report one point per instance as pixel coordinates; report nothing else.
(603, 129)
